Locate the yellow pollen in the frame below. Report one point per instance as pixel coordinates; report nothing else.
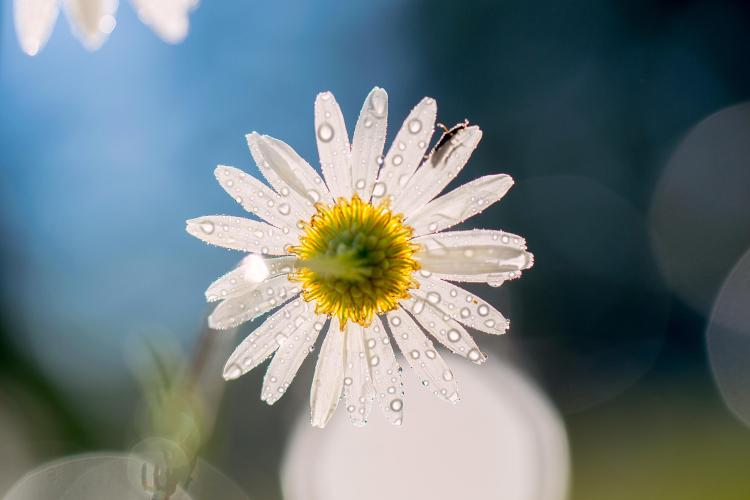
(356, 260)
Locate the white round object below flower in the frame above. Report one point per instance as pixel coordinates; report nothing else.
(505, 441)
(361, 247)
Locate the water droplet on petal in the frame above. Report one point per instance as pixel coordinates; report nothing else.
(474, 355)
(414, 354)
(232, 372)
(378, 103)
(360, 184)
(396, 321)
(367, 123)
(398, 160)
(447, 375)
(207, 227)
(396, 405)
(465, 313)
(378, 190)
(418, 307)
(325, 132)
(454, 335)
(483, 310)
(348, 381)
(284, 209)
(430, 354)
(415, 125)
(374, 361)
(433, 297)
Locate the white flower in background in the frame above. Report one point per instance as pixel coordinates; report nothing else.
(362, 249)
(93, 20)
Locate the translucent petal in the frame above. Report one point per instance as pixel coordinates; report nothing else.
(460, 305)
(238, 233)
(167, 18)
(252, 271)
(407, 150)
(259, 199)
(264, 340)
(385, 372)
(333, 145)
(267, 295)
(289, 358)
(468, 253)
(460, 204)
(329, 377)
(92, 20)
(34, 20)
(290, 175)
(358, 388)
(368, 142)
(421, 355)
(448, 331)
(437, 171)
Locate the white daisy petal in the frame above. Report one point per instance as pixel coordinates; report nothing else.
(91, 21)
(474, 252)
(333, 145)
(248, 275)
(460, 204)
(358, 387)
(259, 199)
(407, 150)
(238, 233)
(287, 172)
(34, 20)
(385, 371)
(421, 355)
(328, 380)
(368, 142)
(448, 331)
(265, 339)
(267, 295)
(460, 305)
(167, 18)
(438, 170)
(289, 358)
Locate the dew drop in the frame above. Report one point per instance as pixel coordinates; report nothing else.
(414, 354)
(454, 335)
(374, 361)
(378, 190)
(415, 125)
(433, 297)
(325, 132)
(447, 375)
(396, 405)
(418, 307)
(469, 253)
(284, 209)
(396, 321)
(432, 227)
(314, 195)
(430, 354)
(207, 227)
(232, 372)
(483, 310)
(378, 103)
(465, 313)
(474, 355)
(360, 184)
(348, 381)
(371, 343)
(367, 123)
(398, 160)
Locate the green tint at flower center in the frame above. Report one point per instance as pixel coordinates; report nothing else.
(356, 260)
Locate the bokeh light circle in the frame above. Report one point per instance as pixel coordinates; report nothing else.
(503, 440)
(728, 340)
(700, 206)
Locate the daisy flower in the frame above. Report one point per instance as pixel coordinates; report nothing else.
(357, 253)
(93, 20)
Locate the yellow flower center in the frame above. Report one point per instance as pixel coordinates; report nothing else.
(356, 260)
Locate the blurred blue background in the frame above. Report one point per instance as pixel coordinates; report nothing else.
(104, 155)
